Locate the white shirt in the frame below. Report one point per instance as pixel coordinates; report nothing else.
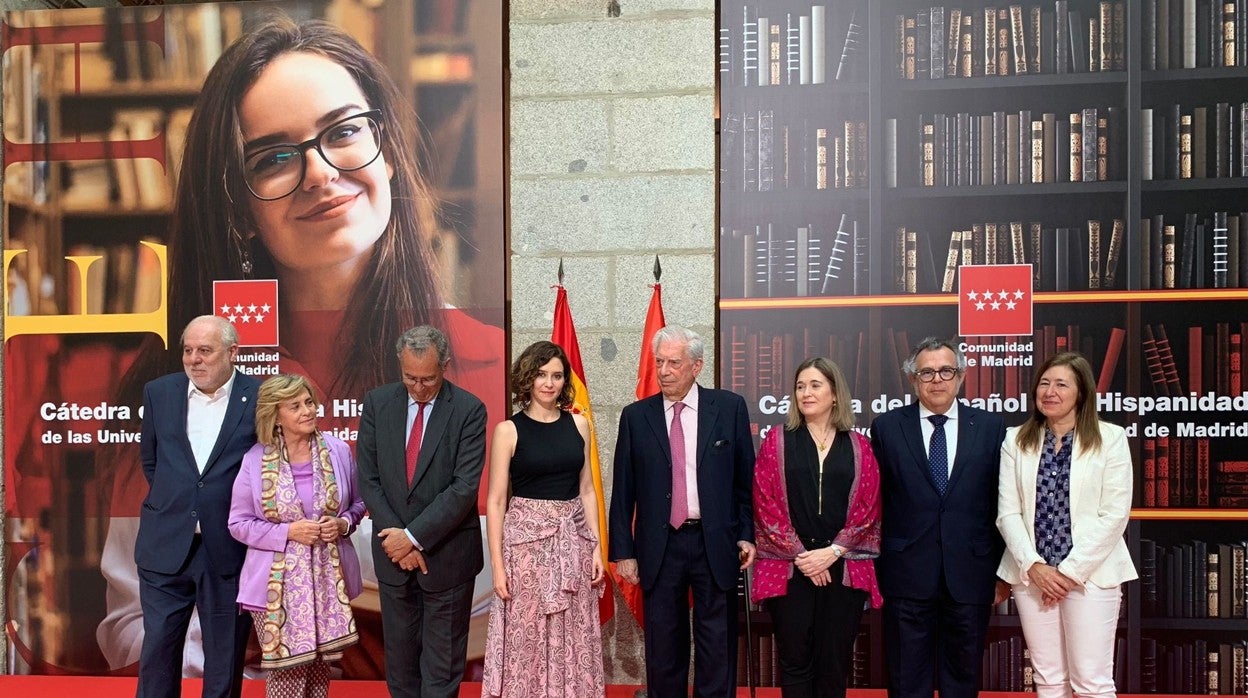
(951, 431)
(689, 421)
(412, 410)
(204, 416)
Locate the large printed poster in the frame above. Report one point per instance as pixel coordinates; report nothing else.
(128, 210)
(897, 170)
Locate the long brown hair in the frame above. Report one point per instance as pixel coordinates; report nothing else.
(212, 208)
(1030, 436)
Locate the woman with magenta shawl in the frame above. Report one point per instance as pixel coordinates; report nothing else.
(817, 528)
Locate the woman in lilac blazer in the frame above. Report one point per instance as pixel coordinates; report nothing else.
(294, 504)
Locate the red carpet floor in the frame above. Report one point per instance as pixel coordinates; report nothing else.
(107, 687)
(102, 687)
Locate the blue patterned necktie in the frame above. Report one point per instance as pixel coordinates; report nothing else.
(938, 453)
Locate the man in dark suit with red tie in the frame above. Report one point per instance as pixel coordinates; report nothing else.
(420, 455)
(940, 546)
(681, 518)
(196, 427)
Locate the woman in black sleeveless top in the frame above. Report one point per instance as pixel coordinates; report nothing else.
(542, 526)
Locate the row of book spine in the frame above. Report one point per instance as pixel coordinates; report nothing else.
(760, 155)
(949, 42)
(1179, 145)
(193, 39)
(786, 49)
(1062, 258)
(1207, 251)
(1214, 361)
(764, 663)
(1211, 667)
(126, 279)
(1006, 666)
(770, 260)
(946, 150)
(1192, 579)
(761, 362)
(1184, 34)
(1179, 472)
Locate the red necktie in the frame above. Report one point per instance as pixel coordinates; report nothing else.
(413, 442)
(680, 487)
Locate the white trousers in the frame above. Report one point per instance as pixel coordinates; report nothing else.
(1071, 642)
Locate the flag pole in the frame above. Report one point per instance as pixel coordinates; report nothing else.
(750, 679)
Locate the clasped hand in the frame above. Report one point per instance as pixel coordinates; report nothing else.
(399, 548)
(1053, 585)
(815, 563)
(307, 531)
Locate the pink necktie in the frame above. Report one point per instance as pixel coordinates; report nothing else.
(680, 494)
(413, 441)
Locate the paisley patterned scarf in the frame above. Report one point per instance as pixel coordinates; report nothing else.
(308, 615)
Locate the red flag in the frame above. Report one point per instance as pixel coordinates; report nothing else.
(647, 375)
(251, 306)
(564, 334)
(647, 385)
(994, 299)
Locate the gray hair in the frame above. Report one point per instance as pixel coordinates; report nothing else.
(421, 338)
(910, 367)
(675, 333)
(225, 328)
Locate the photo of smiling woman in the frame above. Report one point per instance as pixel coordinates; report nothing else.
(302, 164)
(1063, 506)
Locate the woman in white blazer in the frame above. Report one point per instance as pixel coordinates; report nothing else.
(1064, 502)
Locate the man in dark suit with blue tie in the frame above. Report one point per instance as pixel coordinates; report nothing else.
(681, 518)
(196, 427)
(421, 452)
(940, 546)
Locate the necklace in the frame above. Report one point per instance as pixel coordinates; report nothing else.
(821, 444)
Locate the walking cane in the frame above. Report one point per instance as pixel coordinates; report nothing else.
(750, 679)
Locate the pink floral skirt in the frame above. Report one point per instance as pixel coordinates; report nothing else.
(545, 642)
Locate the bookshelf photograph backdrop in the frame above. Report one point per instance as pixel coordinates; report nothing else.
(97, 104)
(883, 165)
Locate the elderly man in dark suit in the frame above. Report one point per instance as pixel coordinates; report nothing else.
(196, 427)
(940, 546)
(684, 467)
(420, 455)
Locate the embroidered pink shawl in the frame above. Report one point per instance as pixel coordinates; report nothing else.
(777, 541)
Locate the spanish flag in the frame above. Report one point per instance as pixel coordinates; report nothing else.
(564, 334)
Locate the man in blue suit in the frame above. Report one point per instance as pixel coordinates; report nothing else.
(681, 518)
(196, 427)
(940, 546)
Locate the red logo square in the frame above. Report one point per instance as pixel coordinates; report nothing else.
(252, 306)
(994, 299)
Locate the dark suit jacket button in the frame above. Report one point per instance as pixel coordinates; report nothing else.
(200, 483)
(194, 514)
(669, 495)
